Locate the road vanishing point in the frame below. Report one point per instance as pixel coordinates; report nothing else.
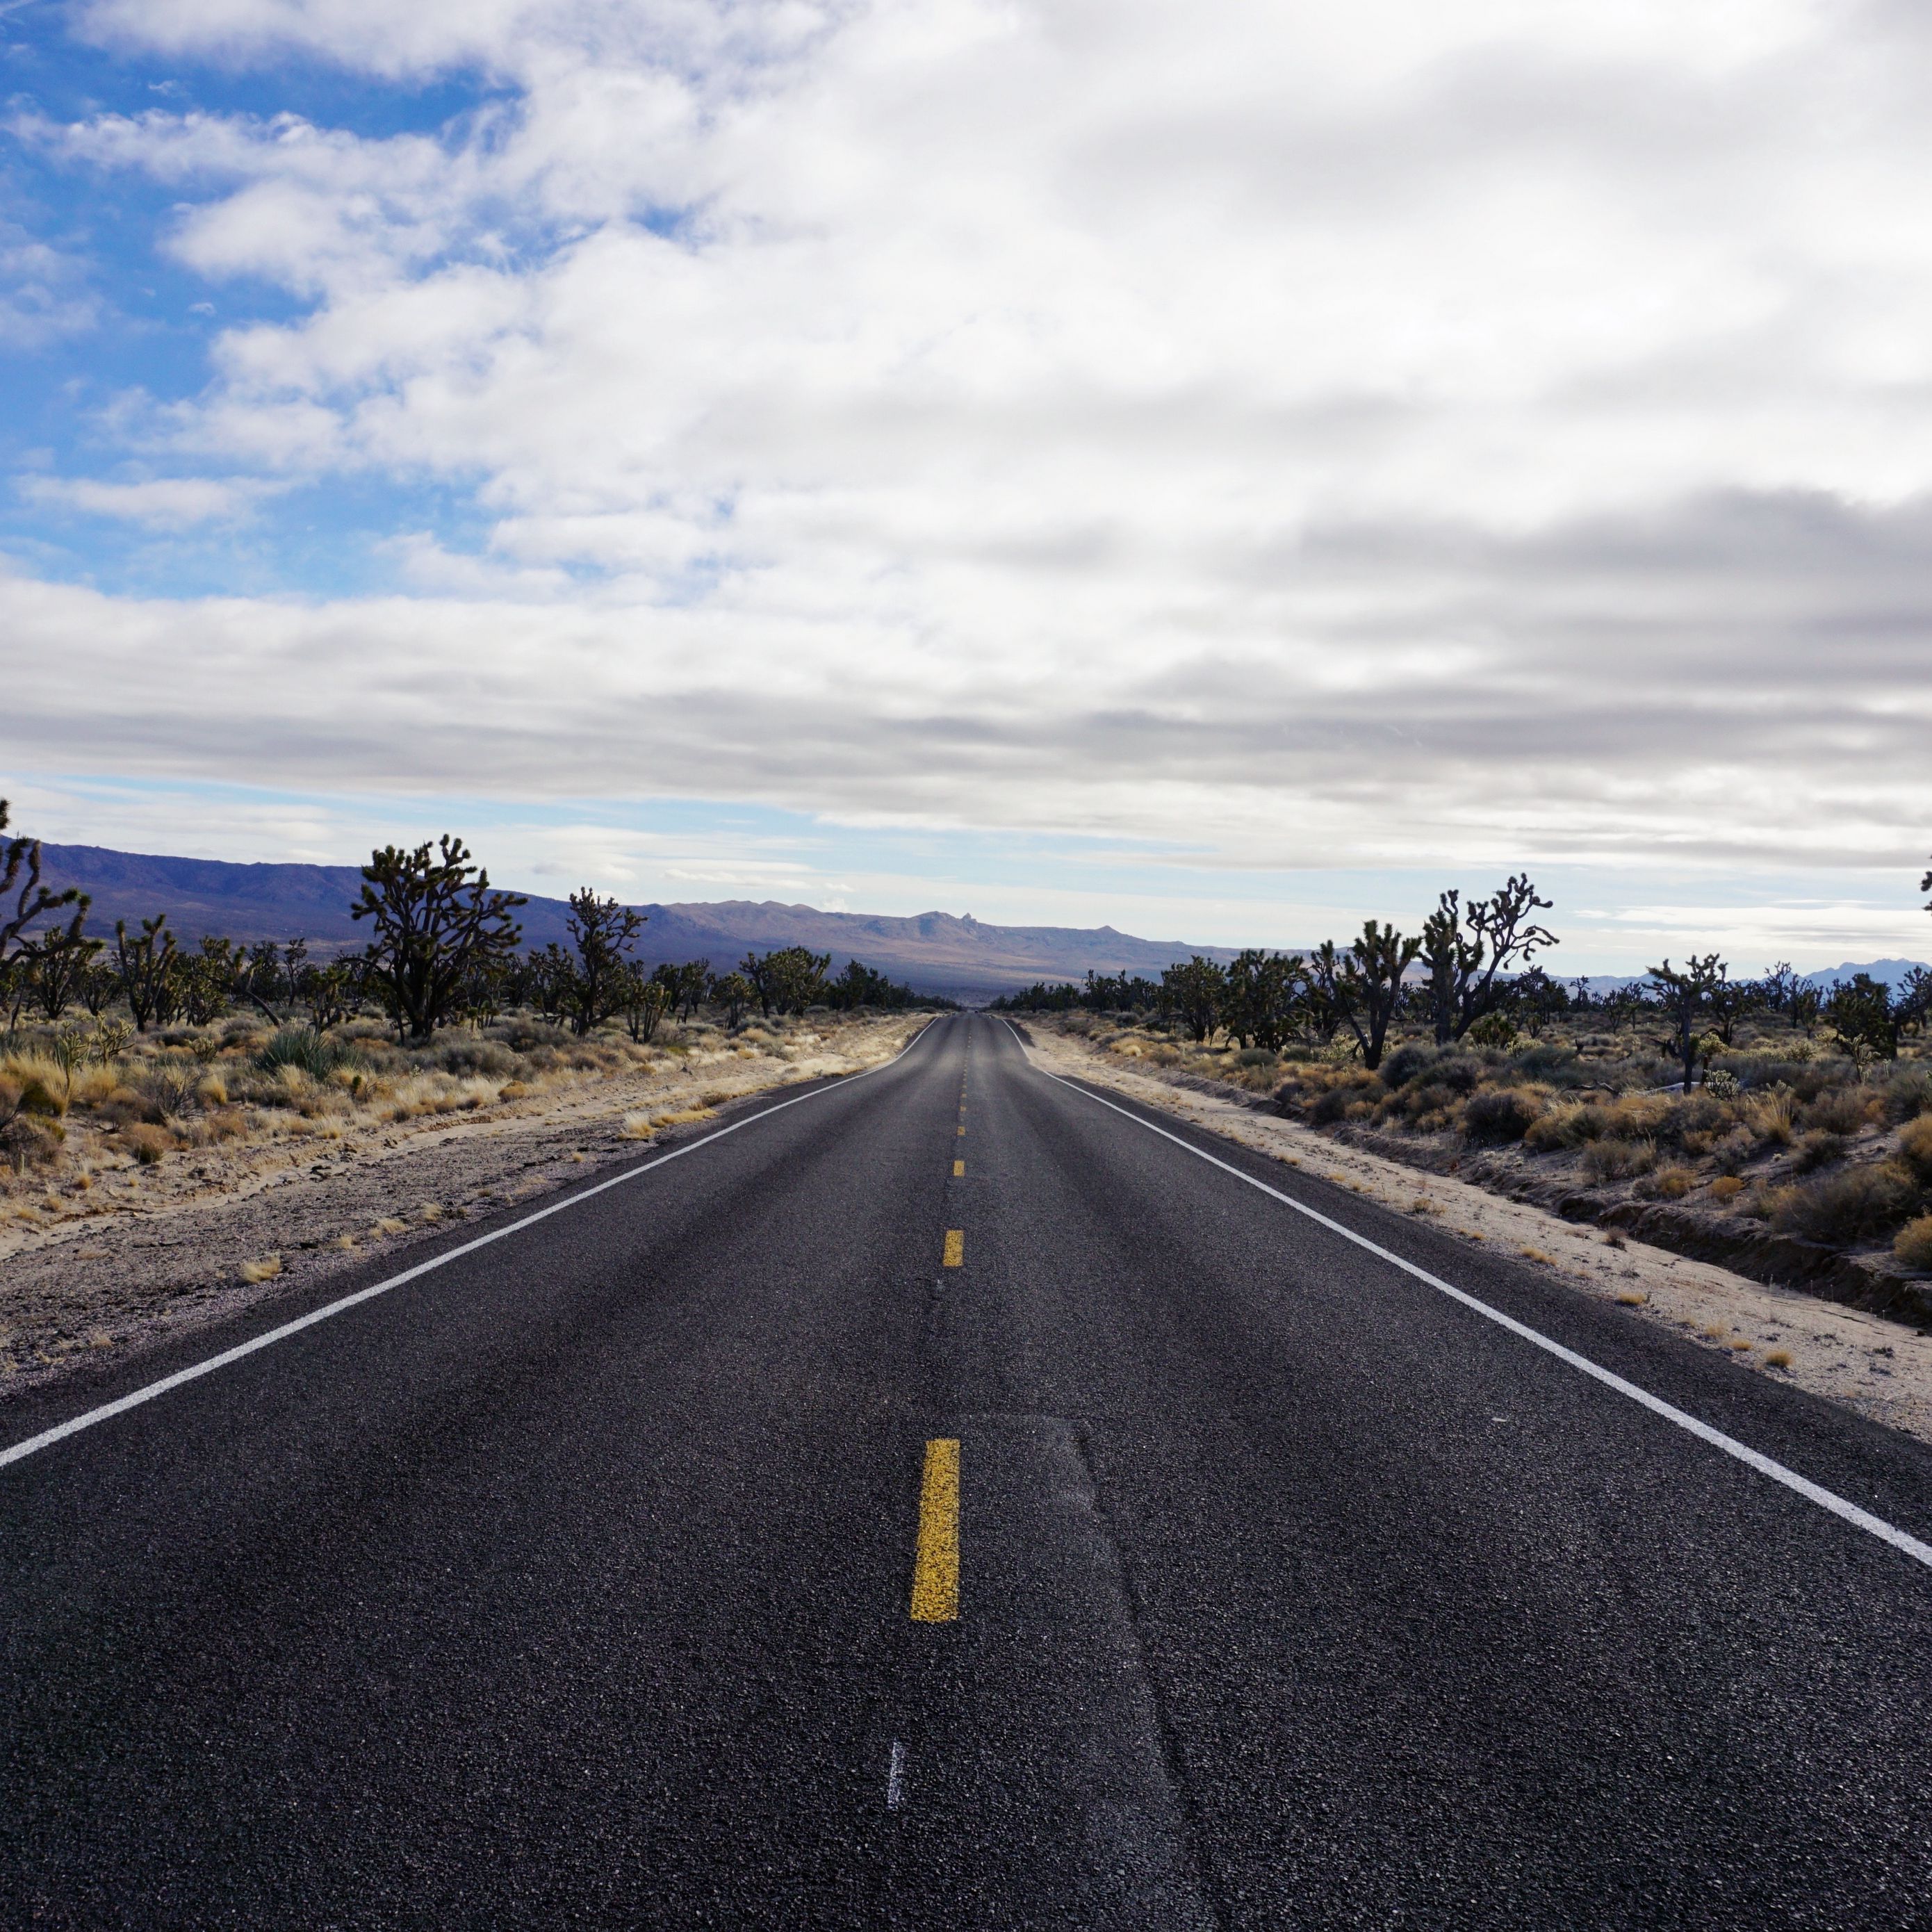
(952, 1498)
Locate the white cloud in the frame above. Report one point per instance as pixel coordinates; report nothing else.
(1371, 435)
(167, 503)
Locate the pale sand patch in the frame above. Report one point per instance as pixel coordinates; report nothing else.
(1877, 1367)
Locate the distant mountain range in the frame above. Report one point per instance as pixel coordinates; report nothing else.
(1889, 972)
(932, 952)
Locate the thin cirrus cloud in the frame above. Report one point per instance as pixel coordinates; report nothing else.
(1394, 435)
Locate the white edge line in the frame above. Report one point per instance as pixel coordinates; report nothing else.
(1874, 1525)
(20, 1451)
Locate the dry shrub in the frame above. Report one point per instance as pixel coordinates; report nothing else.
(40, 1086)
(1694, 1122)
(1672, 1184)
(1726, 1189)
(1912, 1244)
(1842, 1110)
(1567, 1127)
(1853, 1206)
(1770, 1116)
(264, 1269)
(147, 1142)
(1915, 1146)
(1638, 1117)
(1607, 1160)
(1819, 1148)
(636, 1127)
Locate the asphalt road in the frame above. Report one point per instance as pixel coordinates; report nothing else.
(572, 1583)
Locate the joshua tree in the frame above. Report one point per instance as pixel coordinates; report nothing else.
(1730, 1001)
(1261, 992)
(1364, 984)
(24, 901)
(645, 998)
(1466, 947)
(146, 966)
(734, 993)
(790, 979)
(1684, 996)
(435, 920)
(694, 976)
(59, 963)
(1199, 990)
(1861, 1012)
(603, 932)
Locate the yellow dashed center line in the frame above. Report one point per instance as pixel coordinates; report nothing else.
(955, 1247)
(962, 1130)
(959, 1168)
(935, 1570)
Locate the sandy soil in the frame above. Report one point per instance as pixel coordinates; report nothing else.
(172, 1247)
(1881, 1370)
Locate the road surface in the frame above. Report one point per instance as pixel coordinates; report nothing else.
(945, 1501)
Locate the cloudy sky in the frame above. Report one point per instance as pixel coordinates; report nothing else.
(1223, 469)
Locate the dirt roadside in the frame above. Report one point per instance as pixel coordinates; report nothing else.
(206, 1237)
(1877, 1367)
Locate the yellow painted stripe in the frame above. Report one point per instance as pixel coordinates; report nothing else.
(955, 1247)
(935, 1570)
(962, 1130)
(959, 1168)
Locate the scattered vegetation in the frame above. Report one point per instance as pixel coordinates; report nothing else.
(1762, 1105)
(113, 1061)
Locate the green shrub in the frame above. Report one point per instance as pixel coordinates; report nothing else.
(1545, 1059)
(487, 1057)
(1721, 1084)
(1853, 1206)
(1406, 1061)
(315, 1054)
(1907, 1091)
(1498, 1113)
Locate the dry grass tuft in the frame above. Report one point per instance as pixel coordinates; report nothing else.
(265, 1269)
(1537, 1254)
(1726, 1188)
(1629, 1299)
(1778, 1358)
(1913, 1243)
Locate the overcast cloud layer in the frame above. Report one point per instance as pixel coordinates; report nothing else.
(1336, 436)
